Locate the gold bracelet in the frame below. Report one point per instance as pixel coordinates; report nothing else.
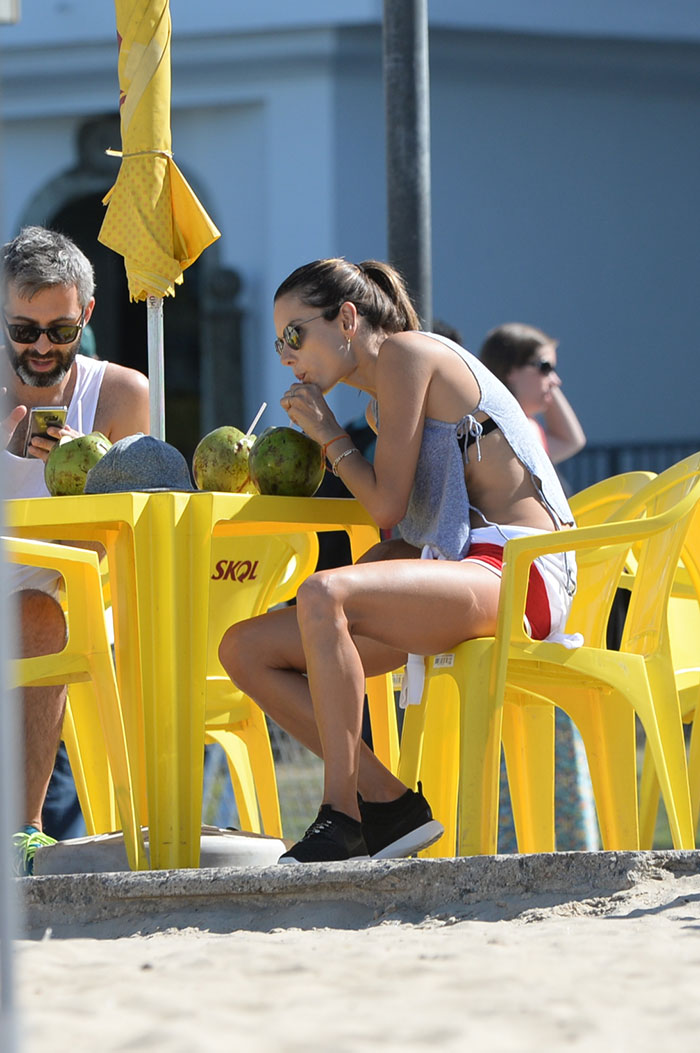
(345, 453)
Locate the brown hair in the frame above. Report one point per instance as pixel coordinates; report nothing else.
(511, 346)
(376, 289)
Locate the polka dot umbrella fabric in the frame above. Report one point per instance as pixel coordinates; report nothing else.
(153, 218)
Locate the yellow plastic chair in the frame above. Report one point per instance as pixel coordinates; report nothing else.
(430, 740)
(82, 735)
(648, 663)
(85, 664)
(525, 718)
(600, 502)
(600, 690)
(684, 633)
(429, 745)
(232, 719)
(249, 575)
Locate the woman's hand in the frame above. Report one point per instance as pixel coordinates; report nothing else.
(305, 406)
(565, 436)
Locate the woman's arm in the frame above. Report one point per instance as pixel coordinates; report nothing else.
(402, 379)
(404, 374)
(565, 436)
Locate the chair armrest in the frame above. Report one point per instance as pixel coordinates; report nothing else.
(519, 553)
(46, 554)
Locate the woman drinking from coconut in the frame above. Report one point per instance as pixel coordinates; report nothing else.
(457, 471)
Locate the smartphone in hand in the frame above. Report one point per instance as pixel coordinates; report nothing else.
(40, 419)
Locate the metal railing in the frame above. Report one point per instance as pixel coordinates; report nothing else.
(597, 462)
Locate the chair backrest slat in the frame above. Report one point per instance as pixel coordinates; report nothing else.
(646, 628)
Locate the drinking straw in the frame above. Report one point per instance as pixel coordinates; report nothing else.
(256, 418)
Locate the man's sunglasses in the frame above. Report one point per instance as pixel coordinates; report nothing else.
(29, 333)
(291, 335)
(544, 367)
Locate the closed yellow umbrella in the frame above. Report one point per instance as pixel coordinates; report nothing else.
(153, 218)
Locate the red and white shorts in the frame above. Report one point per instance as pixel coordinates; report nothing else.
(548, 599)
(549, 596)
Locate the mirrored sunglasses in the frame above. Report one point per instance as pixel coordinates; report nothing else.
(29, 333)
(291, 335)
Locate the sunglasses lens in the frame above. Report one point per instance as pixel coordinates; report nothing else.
(23, 334)
(293, 337)
(63, 334)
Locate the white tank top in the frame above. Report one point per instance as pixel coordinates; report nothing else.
(24, 476)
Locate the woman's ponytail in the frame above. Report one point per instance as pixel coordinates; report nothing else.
(401, 315)
(376, 289)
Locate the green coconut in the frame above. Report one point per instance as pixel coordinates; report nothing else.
(70, 460)
(220, 462)
(287, 463)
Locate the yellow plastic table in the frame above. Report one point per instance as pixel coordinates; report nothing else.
(159, 555)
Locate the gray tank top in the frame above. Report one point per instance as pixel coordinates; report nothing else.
(439, 508)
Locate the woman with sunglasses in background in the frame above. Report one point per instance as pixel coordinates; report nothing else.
(458, 471)
(525, 359)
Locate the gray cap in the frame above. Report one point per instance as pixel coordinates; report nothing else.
(139, 462)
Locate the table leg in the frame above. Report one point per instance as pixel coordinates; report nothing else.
(171, 564)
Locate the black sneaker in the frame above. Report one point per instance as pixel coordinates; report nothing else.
(332, 836)
(399, 828)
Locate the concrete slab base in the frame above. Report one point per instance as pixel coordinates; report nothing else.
(105, 853)
(338, 895)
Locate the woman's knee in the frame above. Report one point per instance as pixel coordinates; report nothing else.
(320, 597)
(268, 640)
(235, 650)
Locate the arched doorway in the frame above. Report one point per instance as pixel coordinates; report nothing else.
(201, 322)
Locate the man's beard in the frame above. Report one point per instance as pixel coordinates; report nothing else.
(64, 360)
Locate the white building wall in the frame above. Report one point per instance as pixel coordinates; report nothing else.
(566, 193)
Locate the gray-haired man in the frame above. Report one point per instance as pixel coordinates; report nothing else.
(47, 294)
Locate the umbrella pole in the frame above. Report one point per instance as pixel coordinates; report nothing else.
(407, 104)
(156, 370)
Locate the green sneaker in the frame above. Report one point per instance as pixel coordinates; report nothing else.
(25, 844)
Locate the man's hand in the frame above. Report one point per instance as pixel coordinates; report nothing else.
(42, 445)
(8, 425)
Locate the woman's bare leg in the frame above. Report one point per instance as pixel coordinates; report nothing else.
(264, 657)
(422, 606)
(349, 623)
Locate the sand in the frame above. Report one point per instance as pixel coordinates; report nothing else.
(617, 971)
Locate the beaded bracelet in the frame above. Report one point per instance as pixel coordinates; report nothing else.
(324, 448)
(345, 453)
